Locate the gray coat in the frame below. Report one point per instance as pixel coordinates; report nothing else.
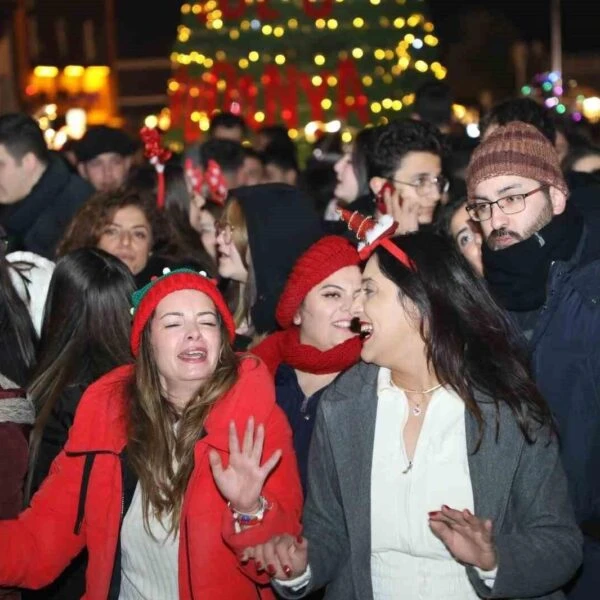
(521, 487)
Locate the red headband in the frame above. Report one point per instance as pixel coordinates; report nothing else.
(158, 156)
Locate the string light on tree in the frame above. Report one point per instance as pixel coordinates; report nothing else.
(280, 60)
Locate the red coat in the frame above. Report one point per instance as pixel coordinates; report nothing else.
(36, 547)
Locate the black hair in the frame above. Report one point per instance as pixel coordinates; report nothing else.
(362, 150)
(577, 152)
(399, 138)
(471, 343)
(275, 133)
(282, 156)
(229, 121)
(85, 332)
(229, 155)
(21, 134)
(17, 334)
(525, 110)
(250, 152)
(445, 212)
(433, 103)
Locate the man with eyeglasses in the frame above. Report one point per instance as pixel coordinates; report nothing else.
(541, 261)
(405, 172)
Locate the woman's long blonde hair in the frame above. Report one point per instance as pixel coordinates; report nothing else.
(240, 296)
(160, 454)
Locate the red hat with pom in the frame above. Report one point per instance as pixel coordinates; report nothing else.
(330, 254)
(146, 299)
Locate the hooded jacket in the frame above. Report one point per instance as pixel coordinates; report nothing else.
(82, 503)
(282, 223)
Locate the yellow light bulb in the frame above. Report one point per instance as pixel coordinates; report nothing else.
(234, 34)
(194, 92)
(320, 23)
(386, 103)
(317, 80)
(254, 56)
(280, 59)
(267, 29)
(293, 133)
(414, 20)
(259, 116)
(396, 105)
(243, 63)
(346, 137)
(421, 66)
(399, 23)
(319, 60)
(208, 63)
(379, 54)
(173, 86)
(293, 24)
(332, 81)
(326, 103)
(332, 24)
(358, 22)
(376, 107)
(195, 116)
(367, 80)
(357, 53)
(217, 24)
(278, 31)
(185, 9)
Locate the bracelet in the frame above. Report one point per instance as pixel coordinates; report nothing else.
(249, 519)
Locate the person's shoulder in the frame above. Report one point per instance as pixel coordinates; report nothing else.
(350, 383)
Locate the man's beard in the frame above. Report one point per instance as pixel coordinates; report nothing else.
(541, 221)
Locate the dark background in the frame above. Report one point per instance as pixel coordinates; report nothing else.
(144, 26)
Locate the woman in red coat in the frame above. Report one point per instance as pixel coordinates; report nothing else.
(153, 479)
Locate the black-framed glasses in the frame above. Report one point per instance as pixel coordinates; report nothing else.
(424, 183)
(509, 205)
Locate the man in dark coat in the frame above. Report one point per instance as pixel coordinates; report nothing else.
(542, 262)
(38, 192)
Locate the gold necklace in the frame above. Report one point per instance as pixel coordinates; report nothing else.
(416, 409)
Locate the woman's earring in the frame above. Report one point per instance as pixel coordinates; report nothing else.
(297, 320)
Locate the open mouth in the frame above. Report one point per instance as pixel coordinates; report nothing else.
(196, 355)
(344, 324)
(363, 328)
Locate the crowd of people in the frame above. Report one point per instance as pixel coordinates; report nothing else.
(372, 376)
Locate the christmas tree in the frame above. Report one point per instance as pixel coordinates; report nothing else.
(298, 62)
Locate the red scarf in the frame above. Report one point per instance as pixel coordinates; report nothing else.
(285, 347)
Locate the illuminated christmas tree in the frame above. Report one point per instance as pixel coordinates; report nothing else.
(298, 61)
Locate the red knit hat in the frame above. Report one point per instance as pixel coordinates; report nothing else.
(330, 254)
(147, 299)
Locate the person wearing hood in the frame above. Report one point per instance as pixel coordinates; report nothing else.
(316, 342)
(262, 232)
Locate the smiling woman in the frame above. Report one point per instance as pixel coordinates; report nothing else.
(122, 223)
(173, 465)
(434, 469)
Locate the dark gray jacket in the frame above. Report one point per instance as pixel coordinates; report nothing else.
(521, 487)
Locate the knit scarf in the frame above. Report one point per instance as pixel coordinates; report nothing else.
(518, 275)
(285, 347)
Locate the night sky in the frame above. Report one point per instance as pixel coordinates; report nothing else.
(142, 29)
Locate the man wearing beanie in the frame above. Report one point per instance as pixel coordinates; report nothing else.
(104, 157)
(541, 260)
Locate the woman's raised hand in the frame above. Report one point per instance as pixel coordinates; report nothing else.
(242, 481)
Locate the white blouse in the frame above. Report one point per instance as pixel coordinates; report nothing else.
(149, 563)
(407, 559)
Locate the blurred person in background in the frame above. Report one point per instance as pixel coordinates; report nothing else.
(104, 157)
(39, 194)
(228, 126)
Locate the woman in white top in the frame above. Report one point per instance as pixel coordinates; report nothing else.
(434, 469)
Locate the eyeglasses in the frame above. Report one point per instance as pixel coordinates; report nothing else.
(509, 205)
(424, 183)
(224, 229)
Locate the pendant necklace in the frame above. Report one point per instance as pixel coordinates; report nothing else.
(416, 409)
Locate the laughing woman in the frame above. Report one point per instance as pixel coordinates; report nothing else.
(316, 343)
(153, 479)
(434, 470)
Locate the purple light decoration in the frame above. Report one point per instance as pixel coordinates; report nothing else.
(576, 116)
(558, 91)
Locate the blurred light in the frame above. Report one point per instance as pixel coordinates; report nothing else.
(526, 90)
(74, 70)
(333, 126)
(76, 121)
(358, 22)
(561, 109)
(357, 53)
(417, 43)
(346, 137)
(45, 71)
(319, 60)
(151, 121)
(259, 116)
(473, 130)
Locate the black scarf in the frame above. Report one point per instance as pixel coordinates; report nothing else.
(518, 275)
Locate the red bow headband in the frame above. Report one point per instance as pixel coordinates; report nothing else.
(211, 184)
(158, 156)
(372, 233)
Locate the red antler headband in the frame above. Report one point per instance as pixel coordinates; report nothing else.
(211, 184)
(372, 233)
(158, 156)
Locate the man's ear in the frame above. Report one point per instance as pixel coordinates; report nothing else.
(558, 199)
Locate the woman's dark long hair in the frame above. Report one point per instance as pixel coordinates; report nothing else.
(471, 343)
(85, 332)
(18, 338)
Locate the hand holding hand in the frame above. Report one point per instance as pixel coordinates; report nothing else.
(282, 557)
(468, 538)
